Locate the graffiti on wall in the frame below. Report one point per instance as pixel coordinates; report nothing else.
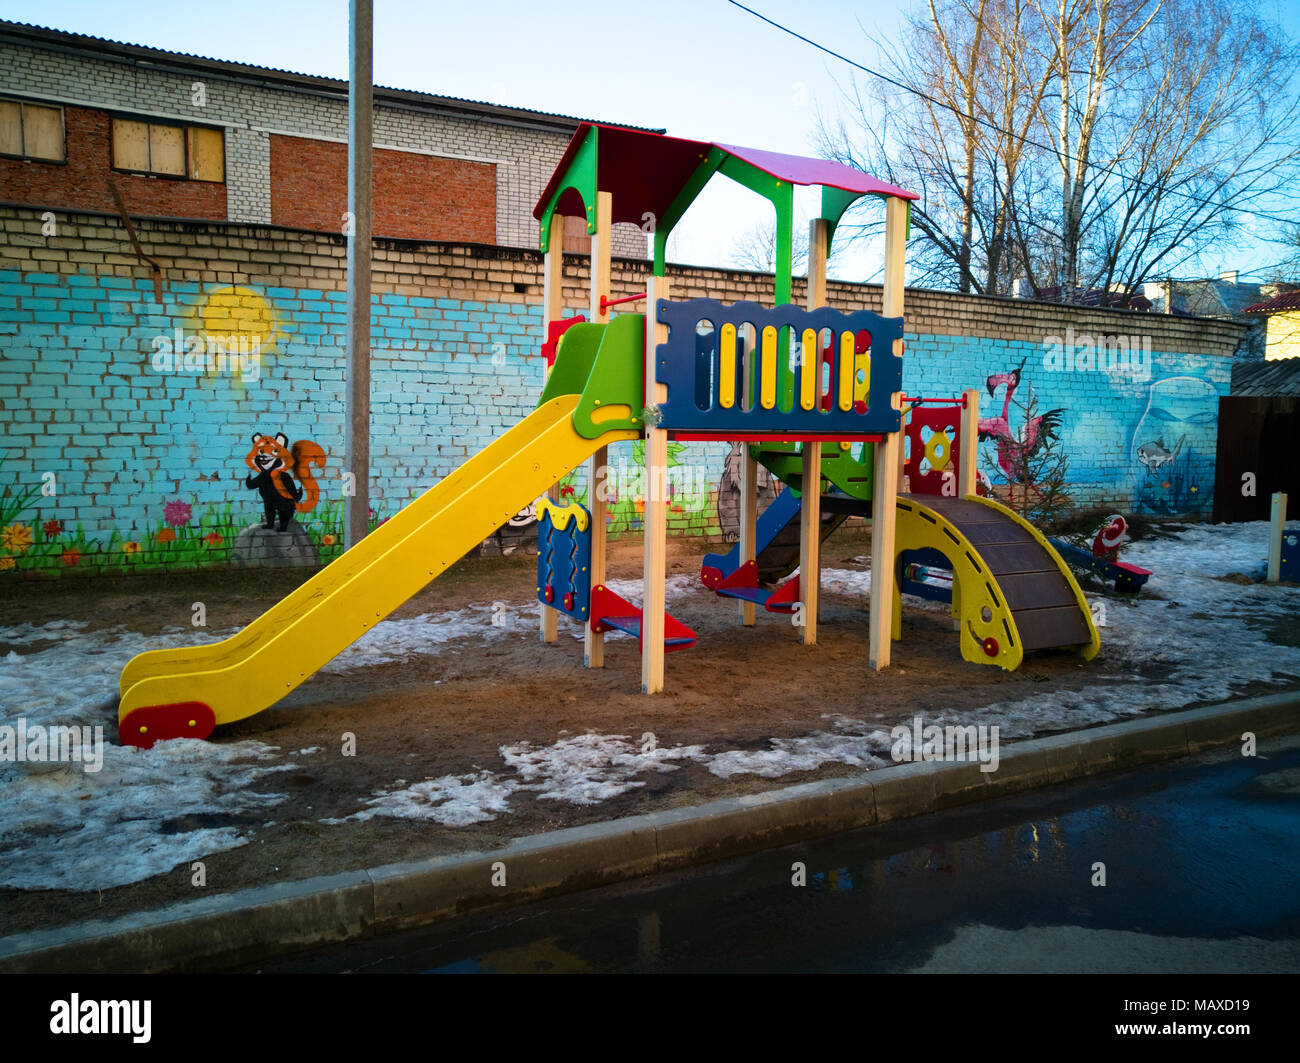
(1020, 430)
(1173, 446)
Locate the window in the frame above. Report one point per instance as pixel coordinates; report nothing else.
(31, 131)
(196, 153)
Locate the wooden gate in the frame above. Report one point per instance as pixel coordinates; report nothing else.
(1259, 435)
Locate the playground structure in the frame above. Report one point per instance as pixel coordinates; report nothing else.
(815, 393)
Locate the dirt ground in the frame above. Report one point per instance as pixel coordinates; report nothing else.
(737, 688)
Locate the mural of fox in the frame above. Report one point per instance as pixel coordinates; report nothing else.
(275, 464)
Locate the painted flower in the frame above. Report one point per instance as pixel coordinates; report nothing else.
(382, 523)
(165, 535)
(327, 540)
(16, 537)
(52, 528)
(177, 513)
(7, 562)
(131, 547)
(213, 539)
(71, 557)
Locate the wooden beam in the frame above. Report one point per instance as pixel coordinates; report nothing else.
(552, 310)
(598, 464)
(748, 522)
(969, 444)
(810, 515)
(884, 515)
(654, 571)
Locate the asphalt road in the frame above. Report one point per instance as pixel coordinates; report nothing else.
(1201, 867)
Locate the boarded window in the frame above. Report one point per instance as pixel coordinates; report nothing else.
(168, 150)
(31, 131)
(207, 154)
(43, 132)
(11, 128)
(130, 145)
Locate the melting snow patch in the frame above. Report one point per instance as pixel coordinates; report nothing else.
(145, 811)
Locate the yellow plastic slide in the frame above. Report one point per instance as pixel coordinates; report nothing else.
(185, 692)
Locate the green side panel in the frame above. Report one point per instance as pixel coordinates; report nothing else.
(835, 201)
(663, 226)
(574, 359)
(852, 470)
(581, 176)
(617, 380)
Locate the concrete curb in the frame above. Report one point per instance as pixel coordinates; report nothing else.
(254, 925)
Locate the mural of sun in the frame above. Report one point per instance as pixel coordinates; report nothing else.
(240, 316)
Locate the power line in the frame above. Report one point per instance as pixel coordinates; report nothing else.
(981, 121)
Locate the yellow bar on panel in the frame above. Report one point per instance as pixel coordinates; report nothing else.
(846, 370)
(808, 366)
(767, 392)
(727, 366)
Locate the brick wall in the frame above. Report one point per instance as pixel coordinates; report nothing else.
(524, 155)
(82, 181)
(415, 196)
(86, 396)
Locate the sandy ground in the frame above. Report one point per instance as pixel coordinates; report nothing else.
(455, 711)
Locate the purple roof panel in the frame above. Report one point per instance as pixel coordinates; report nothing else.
(800, 170)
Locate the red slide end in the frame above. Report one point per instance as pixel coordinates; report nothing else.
(157, 723)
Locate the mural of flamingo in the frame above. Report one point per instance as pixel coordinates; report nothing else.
(1015, 448)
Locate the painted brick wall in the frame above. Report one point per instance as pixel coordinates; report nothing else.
(87, 394)
(416, 197)
(81, 181)
(524, 155)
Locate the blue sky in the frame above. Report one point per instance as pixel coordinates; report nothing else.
(698, 68)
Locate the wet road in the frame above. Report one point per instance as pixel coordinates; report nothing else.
(1201, 865)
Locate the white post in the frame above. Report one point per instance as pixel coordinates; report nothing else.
(1276, 526)
(656, 502)
(597, 466)
(884, 513)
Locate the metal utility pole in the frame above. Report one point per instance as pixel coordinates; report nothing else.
(357, 228)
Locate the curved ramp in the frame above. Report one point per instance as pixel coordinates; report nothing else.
(1012, 592)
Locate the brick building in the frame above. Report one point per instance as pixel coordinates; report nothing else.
(183, 136)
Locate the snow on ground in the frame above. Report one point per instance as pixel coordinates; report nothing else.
(144, 811)
(147, 811)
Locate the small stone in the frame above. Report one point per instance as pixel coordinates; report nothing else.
(258, 546)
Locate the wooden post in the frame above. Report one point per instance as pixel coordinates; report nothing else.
(656, 502)
(357, 227)
(1276, 527)
(810, 514)
(748, 521)
(552, 310)
(884, 515)
(598, 465)
(969, 443)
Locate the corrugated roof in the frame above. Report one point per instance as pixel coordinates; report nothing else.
(1278, 304)
(1278, 377)
(38, 36)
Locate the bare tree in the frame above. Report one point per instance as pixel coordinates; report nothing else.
(1078, 143)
